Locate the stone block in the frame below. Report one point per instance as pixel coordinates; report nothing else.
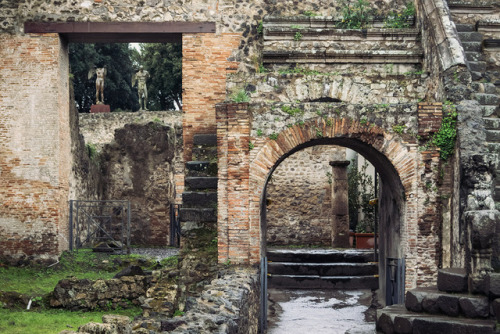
(452, 280)
(492, 285)
(495, 308)
(448, 305)
(474, 306)
(99, 108)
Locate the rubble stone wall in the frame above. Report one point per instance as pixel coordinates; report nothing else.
(299, 198)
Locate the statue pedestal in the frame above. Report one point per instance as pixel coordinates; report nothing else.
(97, 108)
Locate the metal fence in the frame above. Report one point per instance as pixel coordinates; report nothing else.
(104, 225)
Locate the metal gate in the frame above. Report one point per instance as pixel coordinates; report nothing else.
(395, 281)
(263, 295)
(93, 223)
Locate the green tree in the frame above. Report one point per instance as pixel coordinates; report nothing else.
(164, 64)
(117, 58)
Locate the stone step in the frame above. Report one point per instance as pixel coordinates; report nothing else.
(474, 56)
(204, 153)
(191, 199)
(322, 282)
(320, 255)
(490, 111)
(396, 319)
(201, 168)
(493, 148)
(476, 76)
(198, 214)
(472, 46)
(200, 182)
(452, 280)
(323, 269)
(205, 139)
(491, 123)
(487, 99)
(465, 27)
(431, 300)
(482, 87)
(469, 36)
(477, 66)
(493, 136)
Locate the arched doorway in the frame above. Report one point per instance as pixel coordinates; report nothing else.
(391, 206)
(244, 171)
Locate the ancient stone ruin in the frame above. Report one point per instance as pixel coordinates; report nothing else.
(266, 83)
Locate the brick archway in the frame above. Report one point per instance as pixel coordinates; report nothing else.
(244, 173)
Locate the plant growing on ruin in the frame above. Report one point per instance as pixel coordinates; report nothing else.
(400, 20)
(251, 145)
(446, 136)
(298, 36)
(399, 128)
(240, 96)
(273, 136)
(259, 133)
(92, 152)
(355, 14)
(309, 13)
(260, 28)
(292, 111)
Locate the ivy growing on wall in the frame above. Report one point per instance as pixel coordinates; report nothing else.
(446, 136)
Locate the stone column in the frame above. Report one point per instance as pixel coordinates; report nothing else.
(340, 204)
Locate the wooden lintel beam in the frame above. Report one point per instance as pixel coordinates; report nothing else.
(120, 28)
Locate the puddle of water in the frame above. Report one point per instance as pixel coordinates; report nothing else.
(314, 311)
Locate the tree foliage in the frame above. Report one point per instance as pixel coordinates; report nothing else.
(164, 64)
(117, 58)
(360, 191)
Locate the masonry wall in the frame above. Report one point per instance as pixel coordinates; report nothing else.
(34, 146)
(299, 198)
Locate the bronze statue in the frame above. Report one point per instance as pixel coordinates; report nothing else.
(99, 82)
(140, 78)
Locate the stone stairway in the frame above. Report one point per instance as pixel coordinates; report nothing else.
(322, 269)
(484, 92)
(199, 200)
(447, 308)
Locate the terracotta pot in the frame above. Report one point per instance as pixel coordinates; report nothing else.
(365, 240)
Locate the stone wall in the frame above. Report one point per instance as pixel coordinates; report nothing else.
(361, 84)
(83, 294)
(299, 198)
(35, 156)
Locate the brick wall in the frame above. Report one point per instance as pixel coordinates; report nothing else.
(205, 64)
(412, 227)
(35, 159)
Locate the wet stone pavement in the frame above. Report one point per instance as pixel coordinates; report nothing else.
(318, 312)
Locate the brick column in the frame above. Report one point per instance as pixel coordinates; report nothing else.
(233, 135)
(340, 207)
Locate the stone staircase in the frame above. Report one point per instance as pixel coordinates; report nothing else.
(199, 200)
(447, 308)
(484, 92)
(322, 269)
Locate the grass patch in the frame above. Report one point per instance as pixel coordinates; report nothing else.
(49, 321)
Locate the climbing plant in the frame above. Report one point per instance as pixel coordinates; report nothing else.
(446, 136)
